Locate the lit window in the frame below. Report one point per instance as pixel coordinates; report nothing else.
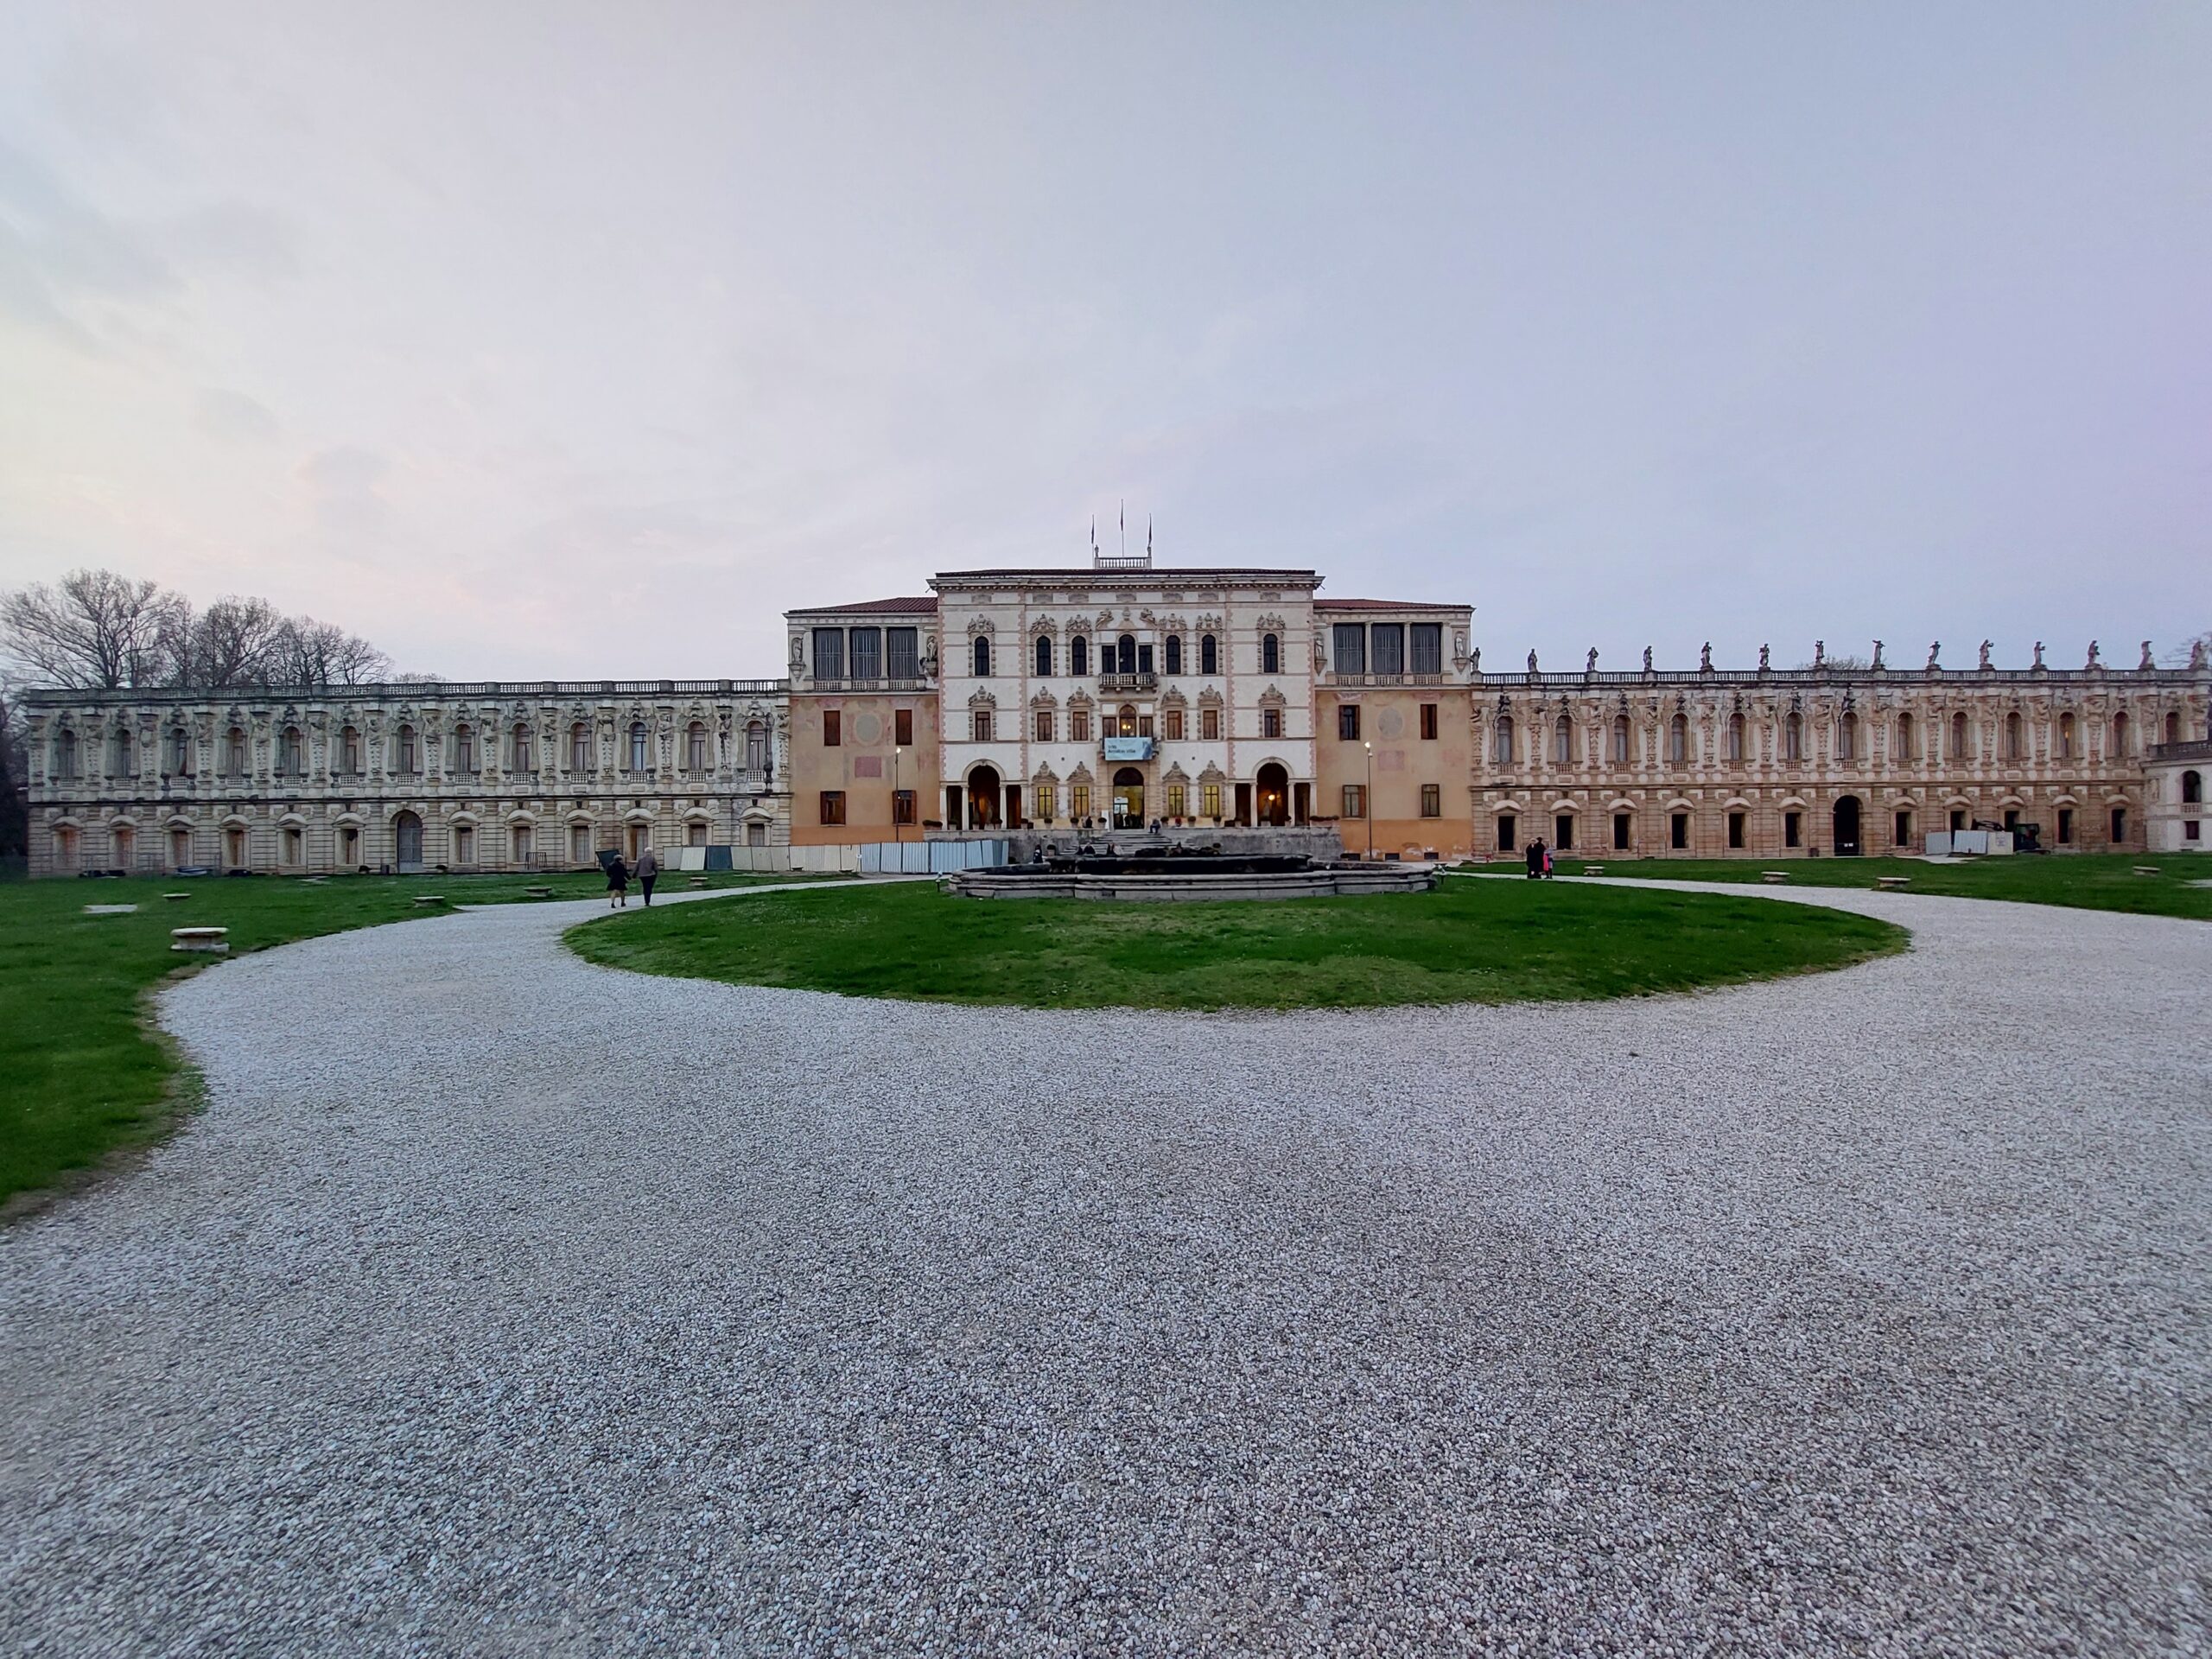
(1079, 801)
(1210, 800)
(1176, 799)
(1047, 803)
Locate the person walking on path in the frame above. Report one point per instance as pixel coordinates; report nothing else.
(1536, 861)
(648, 872)
(1547, 864)
(618, 883)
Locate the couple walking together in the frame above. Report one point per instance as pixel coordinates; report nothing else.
(647, 870)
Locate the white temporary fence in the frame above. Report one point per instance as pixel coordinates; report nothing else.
(930, 857)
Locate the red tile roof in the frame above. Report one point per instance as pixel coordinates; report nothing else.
(926, 605)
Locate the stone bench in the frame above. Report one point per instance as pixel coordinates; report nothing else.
(214, 940)
(1774, 878)
(698, 880)
(539, 892)
(110, 910)
(174, 896)
(2148, 870)
(430, 899)
(1892, 883)
(1593, 869)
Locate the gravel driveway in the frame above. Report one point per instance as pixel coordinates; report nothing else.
(500, 1303)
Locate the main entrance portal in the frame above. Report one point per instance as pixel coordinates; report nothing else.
(1128, 798)
(1275, 794)
(983, 799)
(1846, 827)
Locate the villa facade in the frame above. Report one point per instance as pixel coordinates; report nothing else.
(1123, 698)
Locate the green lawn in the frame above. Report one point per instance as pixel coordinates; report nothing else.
(2087, 880)
(1468, 942)
(80, 1072)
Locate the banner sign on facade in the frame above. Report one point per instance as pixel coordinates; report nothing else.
(1128, 749)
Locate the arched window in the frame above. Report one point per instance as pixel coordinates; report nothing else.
(695, 747)
(1127, 648)
(293, 754)
(1079, 656)
(1736, 738)
(180, 754)
(349, 751)
(1793, 737)
(1847, 738)
(1209, 655)
(464, 749)
(2192, 789)
(1271, 654)
(1906, 739)
(125, 757)
(982, 652)
(1504, 749)
(2066, 737)
(1174, 654)
(65, 753)
(579, 748)
(1563, 742)
(2015, 743)
(519, 747)
(756, 746)
(2120, 734)
(1620, 740)
(410, 761)
(1128, 720)
(640, 751)
(1043, 657)
(1678, 741)
(2173, 727)
(1959, 740)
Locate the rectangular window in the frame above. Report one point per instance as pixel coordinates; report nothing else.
(2011, 821)
(1210, 798)
(1270, 722)
(902, 727)
(1386, 647)
(1355, 801)
(1505, 828)
(903, 806)
(901, 655)
(1144, 725)
(1078, 801)
(1349, 645)
(2192, 830)
(865, 646)
(579, 845)
(1902, 837)
(2066, 826)
(1432, 800)
(1429, 721)
(1043, 725)
(1144, 658)
(1736, 832)
(1348, 723)
(978, 725)
(464, 845)
(829, 653)
(520, 838)
(1678, 831)
(1792, 829)
(833, 729)
(1176, 799)
(1428, 647)
(1210, 728)
(1174, 722)
(833, 806)
(2119, 825)
(1080, 724)
(1562, 831)
(1621, 825)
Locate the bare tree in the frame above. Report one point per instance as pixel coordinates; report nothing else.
(15, 768)
(308, 652)
(91, 631)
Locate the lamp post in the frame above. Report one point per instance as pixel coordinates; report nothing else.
(895, 836)
(1367, 799)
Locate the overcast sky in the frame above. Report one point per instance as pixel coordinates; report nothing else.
(536, 340)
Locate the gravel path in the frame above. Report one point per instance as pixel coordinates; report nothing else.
(499, 1303)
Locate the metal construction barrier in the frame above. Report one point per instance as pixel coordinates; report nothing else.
(930, 857)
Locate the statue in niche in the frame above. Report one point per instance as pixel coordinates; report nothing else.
(1985, 654)
(1765, 657)
(1705, 659)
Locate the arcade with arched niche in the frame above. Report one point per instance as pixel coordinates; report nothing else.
(1128, 798)
(1272, 798)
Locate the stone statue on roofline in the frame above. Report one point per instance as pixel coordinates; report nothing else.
(1532, 661)
(1819, 653)
(1478, 659)
(1765, 655)
(2196, 656)
(1647, 659)
(2039, 653)
(1591, 666)
(2147, 662)
(2092, 662)
(1705, 659)
(1878, 655)
(1985, 654)
(1934, 652)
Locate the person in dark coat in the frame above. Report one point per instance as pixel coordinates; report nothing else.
(1536, 861)
(648, 872)
(618, 883)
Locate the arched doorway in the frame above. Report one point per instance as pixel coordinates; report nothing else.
(1128, 798)
(983, 799)
(407, 832)
(1275, 794)
(1846, 827)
